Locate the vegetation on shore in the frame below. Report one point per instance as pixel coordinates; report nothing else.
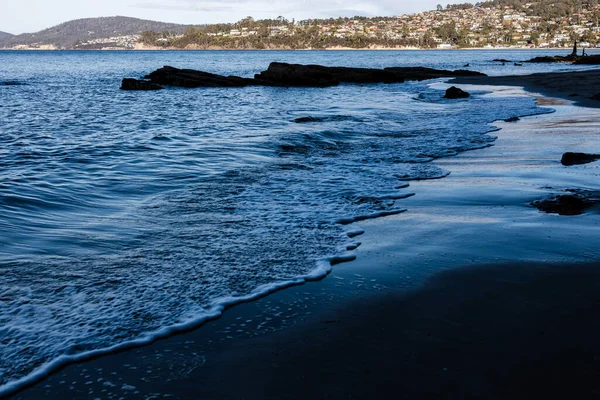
(493, 23)
(516, 23)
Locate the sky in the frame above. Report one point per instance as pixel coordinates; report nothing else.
(34, 15)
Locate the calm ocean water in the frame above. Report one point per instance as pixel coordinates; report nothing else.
(125, 215)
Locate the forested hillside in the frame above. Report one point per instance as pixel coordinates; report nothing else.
(68, 34)
(545, 8)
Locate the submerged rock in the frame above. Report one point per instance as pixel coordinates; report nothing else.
(455, 93)
(501, 60)
(302, 120)
(596, 96)
(136, 84)
(512, 119)
(565, 204)
(570, 158)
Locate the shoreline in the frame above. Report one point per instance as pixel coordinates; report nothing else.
(340, 294)
(576, 86)
(149, 48)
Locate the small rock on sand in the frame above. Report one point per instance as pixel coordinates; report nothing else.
(455, 93)
(570, 158)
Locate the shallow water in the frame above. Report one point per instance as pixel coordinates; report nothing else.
(124, 214)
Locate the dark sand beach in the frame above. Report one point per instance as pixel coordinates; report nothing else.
(472, 293)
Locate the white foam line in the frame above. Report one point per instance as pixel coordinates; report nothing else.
(354, 232)
(346, 221)
(391, 196)
(353, 246)
(219, 306)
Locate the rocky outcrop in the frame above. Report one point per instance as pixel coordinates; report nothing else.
(423, 73)
(554, 59)
(135, 84)
(455, 93)
(570, 158)
(283, 74)
(591, 60)
(291, 75)
(190, 78)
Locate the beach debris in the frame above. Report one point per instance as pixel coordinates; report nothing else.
(570, 158)
(512, 119)
(295, 75)
(565, 204)
(455, 93)
(136, 84)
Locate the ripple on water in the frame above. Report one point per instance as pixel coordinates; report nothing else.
(126, 214)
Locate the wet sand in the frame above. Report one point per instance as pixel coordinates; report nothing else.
(472, 293)
(578, 86)
(502, 331)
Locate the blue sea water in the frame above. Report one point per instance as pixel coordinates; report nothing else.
(126, 215)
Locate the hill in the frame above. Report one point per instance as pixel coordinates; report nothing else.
(5, 35)
(89, 32)
(545, 8)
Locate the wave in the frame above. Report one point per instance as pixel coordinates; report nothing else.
(193, 204)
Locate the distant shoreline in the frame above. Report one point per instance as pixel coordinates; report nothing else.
(325, 49)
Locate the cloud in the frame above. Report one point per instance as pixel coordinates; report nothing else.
(264, 8)
(184, 6)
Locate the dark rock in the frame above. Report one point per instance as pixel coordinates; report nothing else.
(289, 75)
(466, 65)
(578, 158)
(554, 59)
(511, 119)
(423, 73)
(135, 84)
(455, 93)
(518, 64)
(191, 78)
(566, 204)
(594, 59)
(596, 96)
(501, 60)
(575, 95)
(283, 74)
